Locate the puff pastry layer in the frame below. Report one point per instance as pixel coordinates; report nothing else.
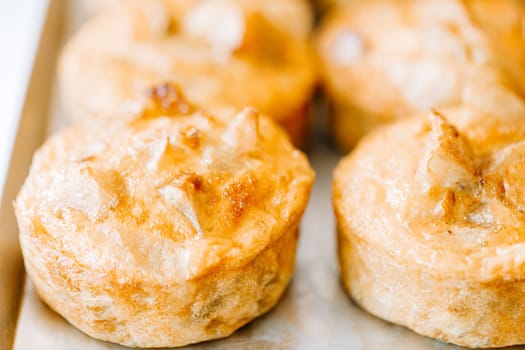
(171, 228)
(431, 224)
(224, 52)
(385, 60)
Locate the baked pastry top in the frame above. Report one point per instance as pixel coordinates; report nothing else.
(224, 52)
(172, 227)
(175, 194)
(386, 60)
(431, 224)
(439, 199)
(325, 5)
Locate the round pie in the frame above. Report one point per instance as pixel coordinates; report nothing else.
(388, 59)
(222, 53)
(431, 223)
(168, 229)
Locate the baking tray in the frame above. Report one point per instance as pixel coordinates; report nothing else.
(314, 313)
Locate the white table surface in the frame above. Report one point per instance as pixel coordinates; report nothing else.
(21, 23)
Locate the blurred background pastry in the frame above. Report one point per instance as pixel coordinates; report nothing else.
(322, 6)
(386, 60)
(173, 228)
(224, 52)
(430, 222)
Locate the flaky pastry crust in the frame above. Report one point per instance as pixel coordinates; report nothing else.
(171, 228)
(431, 224)
(327, 5)
(224, 52)
(385, 60)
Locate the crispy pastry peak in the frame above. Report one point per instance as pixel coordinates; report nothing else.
(390, 59)
(460, 200)
(170, 195)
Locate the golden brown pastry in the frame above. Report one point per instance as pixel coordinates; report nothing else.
(326, 5)
(174, 228)
(386, 60)
(431, 224)
(222, 52)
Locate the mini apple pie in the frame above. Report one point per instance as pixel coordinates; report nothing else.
(222, 52)
(388, 59)
(431, 223)
(173, 228)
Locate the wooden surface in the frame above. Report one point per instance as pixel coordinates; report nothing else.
(10, 285)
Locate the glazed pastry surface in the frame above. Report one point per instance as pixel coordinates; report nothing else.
(387, 60)
(225, 52)
(174, 227)
(431, 225)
